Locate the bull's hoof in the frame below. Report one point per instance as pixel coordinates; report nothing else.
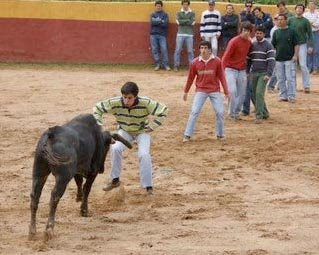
(32, 230)
(84, 213)
(48, 234)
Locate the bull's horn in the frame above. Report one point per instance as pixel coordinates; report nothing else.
(118, 137)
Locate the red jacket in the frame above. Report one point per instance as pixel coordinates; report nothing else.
(208, 75)
(236, 53)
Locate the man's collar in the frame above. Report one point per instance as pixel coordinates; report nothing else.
(200, 58)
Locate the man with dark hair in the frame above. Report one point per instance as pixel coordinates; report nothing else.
(263, 19)
(209, 74)
(230, 25)
(302, 27)
(159, 25)
(185, 19)
(281, 6)
(234, 62)
(285, 42)
(261, 63)
(247, 14)
(132, 112)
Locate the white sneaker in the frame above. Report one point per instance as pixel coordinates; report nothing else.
(186, 138)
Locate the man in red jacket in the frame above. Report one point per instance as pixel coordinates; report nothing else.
(234, 62)
(209, 74)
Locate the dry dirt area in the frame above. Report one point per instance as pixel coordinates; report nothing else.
(257, 192)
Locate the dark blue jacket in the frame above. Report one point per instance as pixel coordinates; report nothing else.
(230, 24)
(159, 23)
(245, 16)
(266, 21)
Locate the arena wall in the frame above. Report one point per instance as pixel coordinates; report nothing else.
(86, 32)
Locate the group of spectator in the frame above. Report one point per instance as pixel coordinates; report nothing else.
(258, 50)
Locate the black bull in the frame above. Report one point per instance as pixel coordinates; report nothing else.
(76, 149)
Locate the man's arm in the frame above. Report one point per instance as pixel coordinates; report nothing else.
(159, 111)
(99, 109)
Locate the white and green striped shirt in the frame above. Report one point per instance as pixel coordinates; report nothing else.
(134, 119)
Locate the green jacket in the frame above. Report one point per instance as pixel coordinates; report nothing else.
(284, 41)
(185, 21)
(134, 119)
(303, 29)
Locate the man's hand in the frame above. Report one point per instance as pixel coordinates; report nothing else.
(185, 96)
(148, 130)
(295, 58)
(227, 97)
(266, 78)
(310, 50)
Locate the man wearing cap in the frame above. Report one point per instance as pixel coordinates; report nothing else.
(210, 26)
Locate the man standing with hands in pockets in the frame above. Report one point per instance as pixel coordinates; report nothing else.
(209, 74)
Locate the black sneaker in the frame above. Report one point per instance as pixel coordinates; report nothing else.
(113, 184)
(149, 190)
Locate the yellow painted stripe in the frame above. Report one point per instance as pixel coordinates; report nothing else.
(99, 11)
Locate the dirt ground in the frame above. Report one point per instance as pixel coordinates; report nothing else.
(257, 192)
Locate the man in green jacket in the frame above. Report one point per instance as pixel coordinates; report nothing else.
(132, 116)
(302, 27)
(185, 19)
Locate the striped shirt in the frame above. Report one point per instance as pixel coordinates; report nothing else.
(261, 57)
(134, 119)
(210, 24)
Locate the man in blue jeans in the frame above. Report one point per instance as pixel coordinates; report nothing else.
(185, 19)
(159, 25)
(209, 74)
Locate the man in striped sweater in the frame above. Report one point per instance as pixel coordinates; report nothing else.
(132, 115)
(261, 62)
(211, 26)
(209, 75)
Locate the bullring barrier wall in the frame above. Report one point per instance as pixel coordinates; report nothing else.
(87, 32)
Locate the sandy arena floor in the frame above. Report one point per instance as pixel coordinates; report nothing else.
(257, 192)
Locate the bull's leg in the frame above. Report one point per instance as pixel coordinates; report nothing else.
(79, 181)
(37, 186)
(86, 191)
(61, 182)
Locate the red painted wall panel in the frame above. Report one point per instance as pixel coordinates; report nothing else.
(70, 41)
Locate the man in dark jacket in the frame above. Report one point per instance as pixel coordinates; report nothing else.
(230, 25)
(159, 24)
(247, 14)
(263, 19)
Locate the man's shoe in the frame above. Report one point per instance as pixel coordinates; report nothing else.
(292, 100)
(315, 72)
(167, 68)
(307, 90)
(113, 184)
(175, 69)
(258, 121)
(157, 68)
(149, 190)
(220, 137)
(245, 113)
(282, 99)
(186, 138)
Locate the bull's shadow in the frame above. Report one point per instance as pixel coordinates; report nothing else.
(77, 149)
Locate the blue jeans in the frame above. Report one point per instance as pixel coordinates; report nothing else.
(248, 97)
(237, 83)
(159, 42)
(217, 104)
(302, 56)
(286, 76)
(180, 40)
(313, 58)
(143, 143)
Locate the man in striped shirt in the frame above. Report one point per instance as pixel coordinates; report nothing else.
(261, 62)
(132, 115)
(211, 26)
